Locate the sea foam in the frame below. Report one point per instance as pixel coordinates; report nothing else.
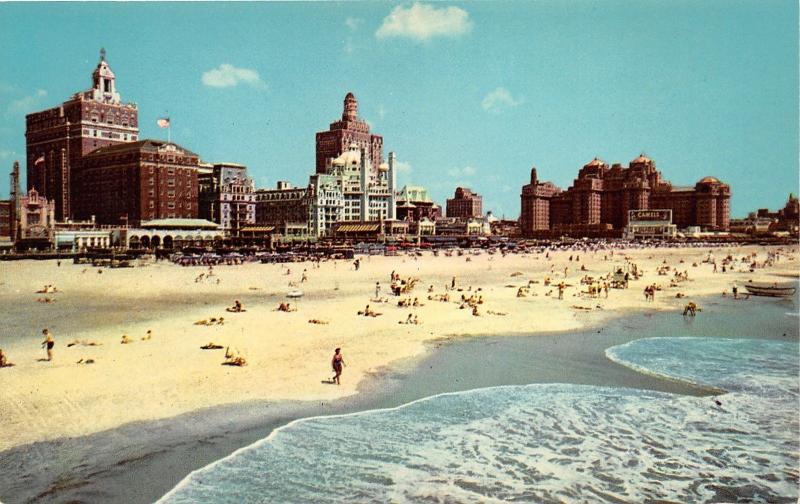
(546, 443)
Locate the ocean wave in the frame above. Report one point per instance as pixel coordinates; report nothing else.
(543, 442)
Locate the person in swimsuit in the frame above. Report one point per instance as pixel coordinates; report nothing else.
(337, 362)
(48, 343)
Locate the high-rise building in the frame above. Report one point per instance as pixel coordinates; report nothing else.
(350, 130)
(140, 181)
(465, 204)
(58, 138)
(535, 199)
(600, 198)
(227, 197)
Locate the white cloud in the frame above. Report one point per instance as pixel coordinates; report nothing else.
(403, 167)
(499, 101)
(423, 22)
(27, 104)
(465, 172)
(227, 75)
(353, 23)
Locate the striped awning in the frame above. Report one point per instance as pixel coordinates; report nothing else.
(357, 228)
(257, 229)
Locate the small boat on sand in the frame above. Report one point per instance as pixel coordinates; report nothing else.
(770, 290)
(294, 294)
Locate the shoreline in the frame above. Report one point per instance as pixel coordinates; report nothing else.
(165, 451)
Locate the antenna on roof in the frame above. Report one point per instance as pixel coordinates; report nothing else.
(102, 54)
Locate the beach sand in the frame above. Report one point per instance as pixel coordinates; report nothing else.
(287, 357)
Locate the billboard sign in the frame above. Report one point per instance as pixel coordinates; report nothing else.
(664, 215)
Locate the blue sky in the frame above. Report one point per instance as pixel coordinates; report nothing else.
(470, 93)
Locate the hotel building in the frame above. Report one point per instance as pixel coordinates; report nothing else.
(600, 198)
(58, 138)
(227, 196)
(465, 204)
(341, 135)
(140, 181)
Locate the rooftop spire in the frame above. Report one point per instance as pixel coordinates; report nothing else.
(350, 112)
(102, 54)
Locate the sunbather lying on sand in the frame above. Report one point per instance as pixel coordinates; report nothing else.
(83, 343)
(367, 312)
(125, 339)
(232, 359)
(318, 321)
(211, 346)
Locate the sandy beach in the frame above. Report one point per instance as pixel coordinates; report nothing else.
(287, 357)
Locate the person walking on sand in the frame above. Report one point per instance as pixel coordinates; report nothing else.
(48, 343)
(377, 290)
(337, 362)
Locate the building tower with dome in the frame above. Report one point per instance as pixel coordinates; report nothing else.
(58, 138)
(600, 198)
(348, 131)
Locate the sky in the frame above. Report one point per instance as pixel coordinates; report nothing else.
(465, 93)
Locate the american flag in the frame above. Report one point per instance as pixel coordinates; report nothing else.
(40, 159)
(163, 122)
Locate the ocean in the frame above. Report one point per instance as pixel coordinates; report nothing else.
(548, 442)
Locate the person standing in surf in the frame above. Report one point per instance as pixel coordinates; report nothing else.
(337, 362)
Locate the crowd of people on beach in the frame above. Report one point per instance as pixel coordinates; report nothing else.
(592, 285)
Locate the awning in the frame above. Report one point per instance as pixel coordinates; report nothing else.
(357, 228)
(257, 229)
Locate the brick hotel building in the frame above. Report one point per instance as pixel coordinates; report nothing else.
(599, 199)
(58, 138)
(134, 182)
(465, 204)
(341, 135)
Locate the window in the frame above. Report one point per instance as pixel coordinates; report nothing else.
(106, 85)
(171, 183)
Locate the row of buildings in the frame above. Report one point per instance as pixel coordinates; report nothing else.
(88, 168)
